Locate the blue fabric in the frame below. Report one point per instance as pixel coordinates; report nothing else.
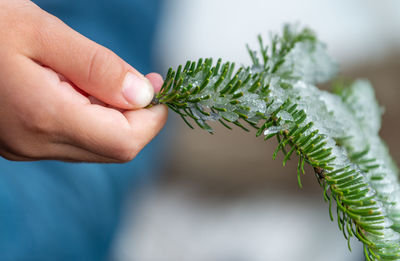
(52, 210)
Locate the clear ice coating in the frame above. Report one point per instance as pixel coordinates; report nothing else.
(273, 129)
(285, 116)
(253, 102)
(212, 117)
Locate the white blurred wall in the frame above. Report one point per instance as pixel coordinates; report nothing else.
(175, 223)
(355, 31)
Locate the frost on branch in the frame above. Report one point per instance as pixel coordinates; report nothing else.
(337, 134)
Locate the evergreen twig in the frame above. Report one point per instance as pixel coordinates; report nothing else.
(277, 97)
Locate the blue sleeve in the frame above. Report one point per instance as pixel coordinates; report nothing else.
(52, 210)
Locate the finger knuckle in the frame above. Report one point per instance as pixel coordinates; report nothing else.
(39, 122)
(126, 152)
(17, 148)
(99, 63)
(43, 28)
(12, 157)
(38, 28)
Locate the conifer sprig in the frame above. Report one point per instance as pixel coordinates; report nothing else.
(337, 134)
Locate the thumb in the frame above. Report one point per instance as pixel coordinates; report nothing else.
(90, 66)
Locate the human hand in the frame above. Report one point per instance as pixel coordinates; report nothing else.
(64, 97)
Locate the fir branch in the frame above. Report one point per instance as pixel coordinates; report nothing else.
(337, 134)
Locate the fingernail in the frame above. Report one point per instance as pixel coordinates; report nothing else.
(137, 90)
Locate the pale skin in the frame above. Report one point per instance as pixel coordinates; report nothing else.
(64, 97)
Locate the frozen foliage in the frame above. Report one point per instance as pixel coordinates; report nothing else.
(309, 62)
(274, 129)
(337, 134)
(356, 120)
(360, 98)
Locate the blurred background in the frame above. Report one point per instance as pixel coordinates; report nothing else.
(222, 197)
